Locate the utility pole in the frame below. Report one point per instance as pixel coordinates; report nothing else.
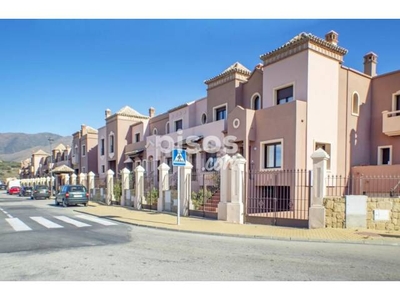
(51, 167)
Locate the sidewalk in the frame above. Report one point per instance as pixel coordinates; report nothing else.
(167, 221)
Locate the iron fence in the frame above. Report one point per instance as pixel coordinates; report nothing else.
(369, 185)
(283, 194)
(150, 184)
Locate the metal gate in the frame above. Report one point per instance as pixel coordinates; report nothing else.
(206, 198)
(278, 197)
(150, 182)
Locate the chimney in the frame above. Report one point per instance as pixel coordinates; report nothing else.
(370, 62)
(332, 37)
(152, 112)
(108, 113)
(83, 129)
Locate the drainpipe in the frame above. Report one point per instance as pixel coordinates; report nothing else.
(347, 106)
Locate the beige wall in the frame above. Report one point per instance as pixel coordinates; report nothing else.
(200, 108)
(102, 159)
(353, 131)
(219, 95)
(251, 87)
(159, 123)
(322, 109)
(292, 70)
(383, 87)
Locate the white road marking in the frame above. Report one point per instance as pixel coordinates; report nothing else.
(18, 225)
(72, 221)
(96, 220)
(46, 223)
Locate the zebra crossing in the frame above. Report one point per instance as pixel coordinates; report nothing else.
(56, 222)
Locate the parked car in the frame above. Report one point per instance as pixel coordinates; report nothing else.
(25, 191)
(72, 195)
(3, 186)
(14, 190)
(40, 191)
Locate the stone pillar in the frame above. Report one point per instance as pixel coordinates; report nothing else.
(139, 187)
(125, 184)
(91, 183)
(225, 191)
(235, 207)
(83, 179)
(317, 209)
(186, 189)
(73, 179)
(48, 182)
(110, 187)
(66, 179)
(52, 183)
(163, 185)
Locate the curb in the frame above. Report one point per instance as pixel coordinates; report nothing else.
(277, 238)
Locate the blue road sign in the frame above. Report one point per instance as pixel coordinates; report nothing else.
(178, 157)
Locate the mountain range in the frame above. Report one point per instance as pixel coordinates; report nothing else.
(20, 146)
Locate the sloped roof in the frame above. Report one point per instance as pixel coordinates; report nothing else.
(62, 169)
(304, 37)
(60, 147)
(40, 152)
(237, 67)
(130, 112)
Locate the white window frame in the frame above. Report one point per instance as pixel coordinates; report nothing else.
(358, 104)
(262, 154)
(252, 100)
(104, 149)
(111, 154)
(275, 92)
(394, 100)
(84, 152)
(135, 134)
(380, 156)
(155, 131)
(201, 118)
(167, 128)
(215, 111)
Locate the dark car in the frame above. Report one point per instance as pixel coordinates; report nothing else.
(72, 195)
(25, 191)
(3, 186)
(40, 191)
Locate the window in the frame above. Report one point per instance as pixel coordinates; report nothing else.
(355, 104)
(256, 102)
(327, 148)
(137, 137)
(220, 113)
(385, 155)
(167, 128)
(178, 125)
(155, 131)
(284, 95)
(211, 160)
(203, 119)
(169, 163)
(103, 168)
(112, 143)
(102, 147)
(396, 105)
(83, 169)
(273, 155)
(83, 150)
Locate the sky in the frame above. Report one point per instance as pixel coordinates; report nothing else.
(57, 74)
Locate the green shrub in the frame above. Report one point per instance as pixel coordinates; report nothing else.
(152, 196)
(198, 198)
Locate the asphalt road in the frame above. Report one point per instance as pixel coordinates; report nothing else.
(123, 252)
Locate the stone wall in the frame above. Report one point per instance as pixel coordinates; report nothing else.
(335, 214)
(391, 204)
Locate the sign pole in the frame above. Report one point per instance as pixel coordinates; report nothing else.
(178, 221)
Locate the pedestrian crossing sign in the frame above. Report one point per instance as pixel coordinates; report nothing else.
(178, 157)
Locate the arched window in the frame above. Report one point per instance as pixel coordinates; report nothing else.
(203, 119)
(256, 102)
(155, 131)
(355, 107)
(167, 128)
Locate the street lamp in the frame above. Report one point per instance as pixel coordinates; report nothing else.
(51, 167)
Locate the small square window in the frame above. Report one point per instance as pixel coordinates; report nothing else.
(220, 113)
(178, 125)
(273, 155)
(284, 95)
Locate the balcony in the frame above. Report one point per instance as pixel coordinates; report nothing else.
(391, 122)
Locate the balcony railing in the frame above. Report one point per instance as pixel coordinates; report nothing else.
(391, 122)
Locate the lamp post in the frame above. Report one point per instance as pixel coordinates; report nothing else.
(51, 167)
